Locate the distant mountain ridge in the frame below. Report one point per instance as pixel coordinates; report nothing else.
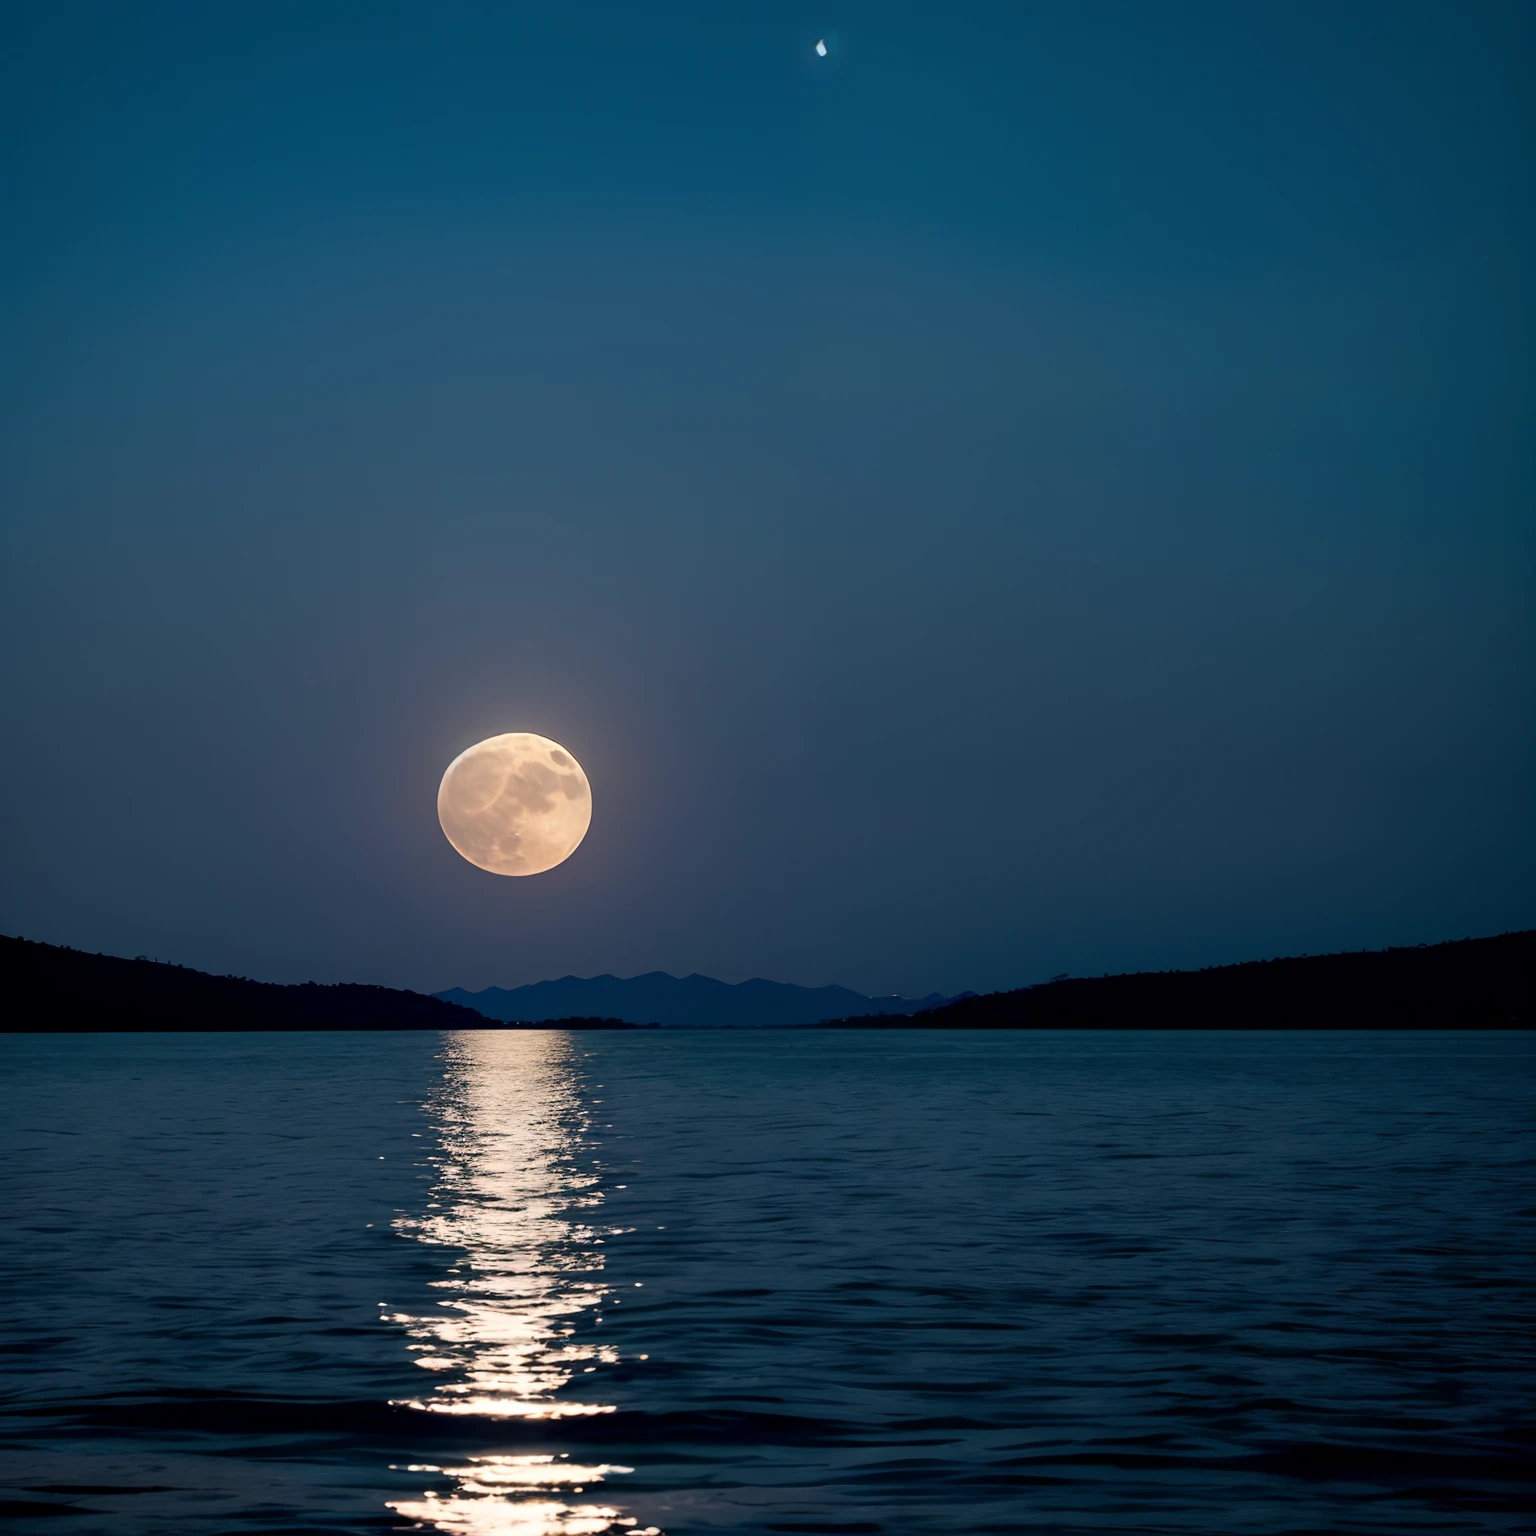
(1466, 984)
(694, 1001)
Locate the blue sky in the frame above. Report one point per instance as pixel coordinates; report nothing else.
(1047, 487)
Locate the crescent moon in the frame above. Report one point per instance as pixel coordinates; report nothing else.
(516, 804)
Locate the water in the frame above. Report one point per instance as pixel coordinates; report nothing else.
(530, 1284)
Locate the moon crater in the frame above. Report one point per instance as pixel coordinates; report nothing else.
(516, 804)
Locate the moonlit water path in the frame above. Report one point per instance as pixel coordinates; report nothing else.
(517, 1211)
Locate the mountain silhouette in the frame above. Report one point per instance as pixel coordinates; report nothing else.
(1464, 984)
(1470, 983)
(681, 1001)
(49, 987)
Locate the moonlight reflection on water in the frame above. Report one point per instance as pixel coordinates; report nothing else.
(516, 1200)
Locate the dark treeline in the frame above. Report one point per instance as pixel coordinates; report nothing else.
(47, 988)
(1468, 984)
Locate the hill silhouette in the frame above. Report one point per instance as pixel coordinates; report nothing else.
(47, 987)
(1465, 984)
(1468, 984)
(681, 1001)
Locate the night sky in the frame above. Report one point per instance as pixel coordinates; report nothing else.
(1049, 487)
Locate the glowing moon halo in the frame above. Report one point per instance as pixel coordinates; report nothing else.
(516, 804)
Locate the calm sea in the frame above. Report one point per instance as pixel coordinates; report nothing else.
(536, 1283)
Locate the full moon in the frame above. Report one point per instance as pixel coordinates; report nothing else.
(516, 804)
